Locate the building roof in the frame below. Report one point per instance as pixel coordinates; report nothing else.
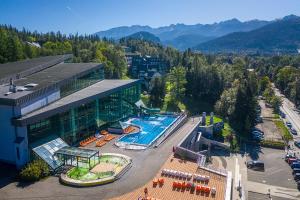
(50, 77)
(77, 152)
(24, 68)
(86, 95)
(46, 152)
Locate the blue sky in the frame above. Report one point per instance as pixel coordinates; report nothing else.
(89, 16)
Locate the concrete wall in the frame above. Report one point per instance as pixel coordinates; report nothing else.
(7, 134)
(40, 102)
(22, 146)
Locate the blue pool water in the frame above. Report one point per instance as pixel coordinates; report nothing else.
(152, 127)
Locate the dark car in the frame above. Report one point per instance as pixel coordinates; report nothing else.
(296, 170)
(295, 165)
(256, 129)
(293, 131)
(288, 124)
(297, 143)
(297, 176)
(259, 119)
(256, 165)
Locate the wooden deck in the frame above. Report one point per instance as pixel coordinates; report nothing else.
(167, 192)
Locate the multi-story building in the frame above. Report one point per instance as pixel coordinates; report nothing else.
(146, 67)
(45, 98)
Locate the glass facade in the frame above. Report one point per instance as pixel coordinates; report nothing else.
(78, 123)
(82, 82)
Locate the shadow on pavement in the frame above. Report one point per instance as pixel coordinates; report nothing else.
(8, 174)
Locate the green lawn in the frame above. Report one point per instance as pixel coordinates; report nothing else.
(216, 119)
(283, 130)
(226, 130)
(80, 173)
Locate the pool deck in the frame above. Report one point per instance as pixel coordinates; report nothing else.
(145, 166)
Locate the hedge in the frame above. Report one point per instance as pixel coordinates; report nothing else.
(273, 144)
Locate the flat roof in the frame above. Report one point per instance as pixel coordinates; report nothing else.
(48, 77)
(76, 152)
(11, 69)
(101, 89)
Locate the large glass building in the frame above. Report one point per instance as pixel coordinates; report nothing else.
(46, 98)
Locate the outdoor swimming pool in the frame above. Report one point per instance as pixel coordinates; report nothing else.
(152, 127)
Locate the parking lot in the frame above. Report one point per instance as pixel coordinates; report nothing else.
(277, 171)
(258, 196)
(269, 128)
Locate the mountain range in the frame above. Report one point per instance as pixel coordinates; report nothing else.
(281, 35)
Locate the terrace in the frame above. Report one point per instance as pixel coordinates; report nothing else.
(167, 191)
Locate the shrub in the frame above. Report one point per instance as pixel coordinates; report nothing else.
(283, 130)
(273, 144)
(35, 171)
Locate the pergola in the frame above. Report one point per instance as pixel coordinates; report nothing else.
(78, 157)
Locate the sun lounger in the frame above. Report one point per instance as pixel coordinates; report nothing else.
(206, 189)
(174, 184)
(100, 143)
(161, 181)
(87, 141)
(109, 137)
(104, 132)
(198, 188)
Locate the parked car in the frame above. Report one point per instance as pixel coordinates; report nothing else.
(256, 165)
(295, 165)
(287, 156)
(295, 162)
(297, 176)
(288, 124)
(297, 143)
(293, 131)
(257, 137)
(296, 170)
(291, 160)
(257, 133)
(257, 129)
(259, 119)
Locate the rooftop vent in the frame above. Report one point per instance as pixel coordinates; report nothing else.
(30, 85)
(7, 93)
(21, 89)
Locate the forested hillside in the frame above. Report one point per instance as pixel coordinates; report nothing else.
(17, 45)
(282, 36)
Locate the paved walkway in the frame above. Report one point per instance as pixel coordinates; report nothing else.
(274, 190)
(145, 165)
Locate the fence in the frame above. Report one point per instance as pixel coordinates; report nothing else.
(178, 123)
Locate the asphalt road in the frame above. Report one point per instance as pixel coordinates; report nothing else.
(289, 109)
(292, 116)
